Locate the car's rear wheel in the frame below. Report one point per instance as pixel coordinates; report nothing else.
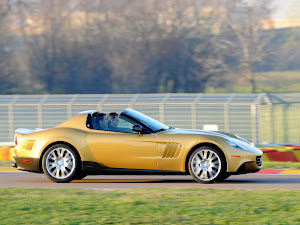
(206, 165)
(60, 163)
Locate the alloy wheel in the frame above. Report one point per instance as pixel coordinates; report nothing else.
(60, 163)
(206, 164)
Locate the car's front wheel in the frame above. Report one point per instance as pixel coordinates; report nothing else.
(60, 163)
(206, 165)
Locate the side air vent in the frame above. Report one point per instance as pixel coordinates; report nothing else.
(28, 145)
(172, 150)
(259, 161)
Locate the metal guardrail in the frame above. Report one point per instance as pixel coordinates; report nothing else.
(260, 118)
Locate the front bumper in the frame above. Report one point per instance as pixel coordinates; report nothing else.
(27, 164)
(243, 161)
(250, 167)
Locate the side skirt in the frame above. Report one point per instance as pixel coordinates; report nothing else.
(93, 168)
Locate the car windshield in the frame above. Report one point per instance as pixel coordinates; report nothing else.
(146, 120)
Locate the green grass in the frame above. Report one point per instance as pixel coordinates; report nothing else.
(149, 206)
(276, 82)
(5, 163)
(269, 82)
(281, 165)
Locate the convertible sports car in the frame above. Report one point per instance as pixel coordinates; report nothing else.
(131, 143)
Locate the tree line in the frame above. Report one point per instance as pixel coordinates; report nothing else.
(133, 46)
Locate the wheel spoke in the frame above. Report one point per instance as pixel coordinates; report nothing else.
(202, 155)
(54, 171)
(215, 165)
(213, 158)
(201, 175)
(211, 173)
(197, 159)
(67, 157)
(205, 154)
(214, 168)
(69, 165)
(63, 171)
(197, 169)
(62, 151)
(57, 173)
(52, 156)
(204, 175)
(51, 166)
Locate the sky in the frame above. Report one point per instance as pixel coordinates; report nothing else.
(286, 9)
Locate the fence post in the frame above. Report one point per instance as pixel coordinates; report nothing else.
(255, 121)
(11, 118)
(10, 121)
(162, 108)
(258, 124)
(286, 123)
(226, 113)
(100, 104)
(256, 118)
(194, 111)
(40, 111)
(271, 119)
(131, 104)
(194, 116)
(70, 104)
(253, 125)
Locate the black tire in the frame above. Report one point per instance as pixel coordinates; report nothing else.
(206, 165)
(61, 163)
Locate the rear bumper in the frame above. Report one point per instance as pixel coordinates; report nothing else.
(27, 164)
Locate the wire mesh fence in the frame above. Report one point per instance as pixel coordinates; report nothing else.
(260, 118)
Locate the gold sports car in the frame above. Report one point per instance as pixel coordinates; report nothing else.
(131, 143)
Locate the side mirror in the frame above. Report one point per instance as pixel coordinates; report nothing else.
(137, 128)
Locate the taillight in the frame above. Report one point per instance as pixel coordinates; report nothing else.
(16, 140)
(23, 160)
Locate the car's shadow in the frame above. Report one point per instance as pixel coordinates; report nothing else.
(191, 181)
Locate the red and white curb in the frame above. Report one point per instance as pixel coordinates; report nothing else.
(278, 171)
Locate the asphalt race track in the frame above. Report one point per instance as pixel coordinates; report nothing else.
(249, 182)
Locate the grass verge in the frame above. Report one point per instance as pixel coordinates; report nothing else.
(5, 163)
(145, 206)
(268, 82)
(281, 165)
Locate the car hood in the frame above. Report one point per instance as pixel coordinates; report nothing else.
(245, 146)
(203, 132)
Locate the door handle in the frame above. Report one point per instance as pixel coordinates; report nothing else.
(95, 135)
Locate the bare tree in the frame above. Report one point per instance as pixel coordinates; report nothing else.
(130, 46)
(245, 34)
(6, 49)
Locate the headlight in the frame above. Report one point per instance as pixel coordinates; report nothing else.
(233, 144)
(243, 139)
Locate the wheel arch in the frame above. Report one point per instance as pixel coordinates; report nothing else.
(55, 143)
(208, 144)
